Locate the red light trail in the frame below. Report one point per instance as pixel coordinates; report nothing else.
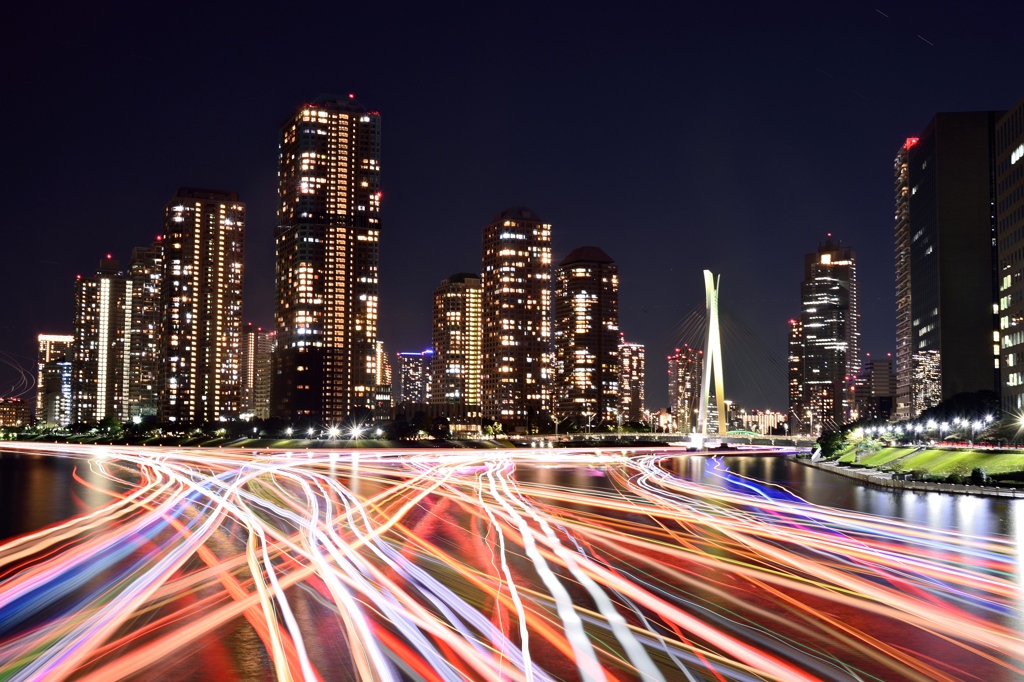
(489, 565)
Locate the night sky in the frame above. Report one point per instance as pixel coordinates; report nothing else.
(726, 136)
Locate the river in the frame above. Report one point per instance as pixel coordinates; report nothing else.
(447, 538)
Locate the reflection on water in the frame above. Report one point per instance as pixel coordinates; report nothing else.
(963, 513)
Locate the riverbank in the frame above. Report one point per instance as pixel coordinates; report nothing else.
(886, 480)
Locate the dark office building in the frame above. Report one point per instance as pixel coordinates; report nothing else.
(1010, 212)
(952, 228)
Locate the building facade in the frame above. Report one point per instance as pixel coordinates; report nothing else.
(414, 378)
(327, 255)
(14, 412)
(457, 333)
(145, 335)
(1010, 212)
(255, 371)
(875, 390)
(951, 215)
(904, 327)
(830, 337)
(53, 386)
(632, 380)
(797, 417)
(516, 341)
(586, 333)
(99, 368)
(203, 250)
(685, 371)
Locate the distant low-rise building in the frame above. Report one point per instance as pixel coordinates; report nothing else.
(14, 412)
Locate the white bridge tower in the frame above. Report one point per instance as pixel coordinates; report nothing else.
(712, 358)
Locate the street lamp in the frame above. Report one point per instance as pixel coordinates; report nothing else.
(288, 432)
(332, 432)
(310, 432)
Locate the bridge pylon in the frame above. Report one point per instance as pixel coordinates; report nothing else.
(712, 359)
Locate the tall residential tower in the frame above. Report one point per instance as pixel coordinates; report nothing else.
(145, 336)
(516, 376)
(586, 330)
(99, 383)
(456, 339)
(325, 365)
(203, 251)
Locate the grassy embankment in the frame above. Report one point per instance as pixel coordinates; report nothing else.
(936, 461)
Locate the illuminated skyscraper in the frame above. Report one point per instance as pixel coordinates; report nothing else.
(830, 327)
(685, 369)
(325, 365)
(414, 378)
(99, 382)
(798, 416)
(516, 302)
(1010, 211)
(257, 352)
(632, 380)
(204, 233)
(53, 388)
(904, 328)
(586, 381)
(145, 345)
(457, 336)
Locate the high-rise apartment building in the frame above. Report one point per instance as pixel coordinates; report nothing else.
(203, 251)
(414, 381)
(516, 302)
(255, 371)
(685, 371)
(456, 339)
(145, 334)
(53, 387)
(1010, 212)
(632, 380)
(904, 328)
(327, 241)
(830, 326)
(586, 333)
(99, 368)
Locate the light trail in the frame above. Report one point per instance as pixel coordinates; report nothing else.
(490, 565)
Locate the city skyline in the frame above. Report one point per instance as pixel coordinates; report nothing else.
(832, 101)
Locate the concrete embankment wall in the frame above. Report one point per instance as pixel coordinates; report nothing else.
(886, 481)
